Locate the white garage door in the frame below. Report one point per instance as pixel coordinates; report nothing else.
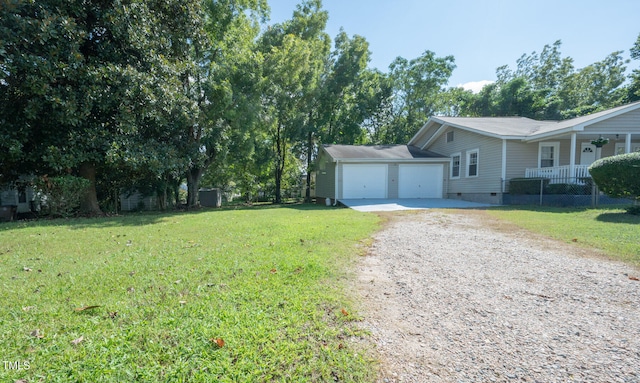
(420, 181)
(364, 181)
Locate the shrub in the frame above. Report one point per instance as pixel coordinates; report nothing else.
(583, 188)
(618, 176)
(527, 186)
(61, 196)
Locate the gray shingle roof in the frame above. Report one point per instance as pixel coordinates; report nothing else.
(501, 126)
(378, 152)
(526, 127)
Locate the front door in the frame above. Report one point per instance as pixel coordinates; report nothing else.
(587, 153)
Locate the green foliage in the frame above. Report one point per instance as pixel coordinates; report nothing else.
(295, 54)
(94, 82)
(582, 188)
(618, 176)
(417, 84)
(527, 186)
(60, 196)
(270, 282)
(547, 86)
(633, 92)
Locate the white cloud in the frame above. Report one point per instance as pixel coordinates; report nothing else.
(475, 86)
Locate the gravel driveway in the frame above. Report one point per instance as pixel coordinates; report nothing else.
(454, 297)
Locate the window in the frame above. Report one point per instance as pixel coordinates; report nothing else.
(450, 136)
(548, 154)
(472, 163)
(455, 165)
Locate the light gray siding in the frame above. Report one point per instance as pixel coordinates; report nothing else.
(489, 179)
(624, 123)
(426, 135)
(520, 156)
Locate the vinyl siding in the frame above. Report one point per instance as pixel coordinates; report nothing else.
(521, 156)
(426, 136)
(624, 123)
(489, 179)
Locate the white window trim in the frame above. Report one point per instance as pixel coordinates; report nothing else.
(556, 152)
(469, 152)
(459, 166)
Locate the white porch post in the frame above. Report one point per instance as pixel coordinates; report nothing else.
(572, 158)
(504, 165)
(627, 143)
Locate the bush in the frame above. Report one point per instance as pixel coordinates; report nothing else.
(61, 196)
(527, 186)
(618, 176)
(583, 188)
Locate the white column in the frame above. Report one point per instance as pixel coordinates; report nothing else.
(627, 143)
(572, 158)
(504, 164)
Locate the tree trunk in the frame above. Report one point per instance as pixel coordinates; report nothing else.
(193, 185)
(280, 162)
(89, 204)
(307, 195)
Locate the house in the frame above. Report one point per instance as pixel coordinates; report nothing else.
(474, 158)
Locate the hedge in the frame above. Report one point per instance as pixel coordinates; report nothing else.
(618, 176)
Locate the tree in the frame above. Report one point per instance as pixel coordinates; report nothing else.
(220, 79)
(81, 80)
(417, 85)
(633, 92)
(376, 95)
(594, 87)
(547, 86)
(294, 58)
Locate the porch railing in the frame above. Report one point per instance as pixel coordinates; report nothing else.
(559, 173)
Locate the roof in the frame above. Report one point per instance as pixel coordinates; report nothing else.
(501, 126)
(522, 127)
(381, 152)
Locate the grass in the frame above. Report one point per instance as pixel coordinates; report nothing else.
(609, 230)
(269, 282)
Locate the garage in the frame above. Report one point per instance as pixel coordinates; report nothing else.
(420, 181)
(364, 181)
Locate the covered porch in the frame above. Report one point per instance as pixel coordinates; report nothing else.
(555, 165)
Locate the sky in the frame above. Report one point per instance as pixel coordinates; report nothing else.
(482, 35)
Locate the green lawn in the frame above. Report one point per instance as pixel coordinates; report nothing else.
(609, 230)
(269, 282)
